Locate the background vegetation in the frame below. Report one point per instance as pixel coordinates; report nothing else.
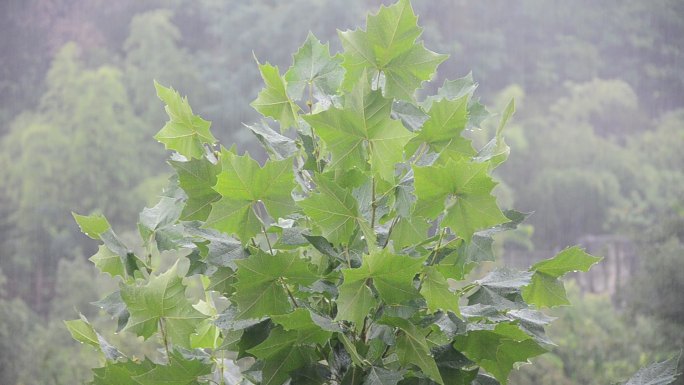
(596, 148)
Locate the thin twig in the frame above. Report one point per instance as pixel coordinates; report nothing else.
(389, 232)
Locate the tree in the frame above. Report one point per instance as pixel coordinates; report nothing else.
(84, 128)
(346, 257)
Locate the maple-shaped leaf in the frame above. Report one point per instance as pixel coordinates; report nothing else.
(185, 132)
(546, 289)
(501, 289)
(313, 66)
(197, 178)
(97, 227)
(261, 283)
(273, 101)
(658, 373)
(178, 371)
(276, 370)
(442, 131)
(572, 259)
(108, 262)
(497, 349)
(362, 132)
(296, 329)
(409, 231)
(388, 49)
(92, 225)
(159, 225)
(334, 211)
(354, 303)
(382, 376)
(462, 190)
(412, 347)
(435, 290)
(278, 146)
(243, 184)
(120, 373)
(392, 275)
(161, 299)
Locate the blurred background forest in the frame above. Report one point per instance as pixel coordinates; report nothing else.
(597, 150)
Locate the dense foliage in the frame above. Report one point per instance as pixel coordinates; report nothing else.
(597, 86)
(345, 257)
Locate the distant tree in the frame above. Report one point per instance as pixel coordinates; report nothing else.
(77, 149)
(153, 51)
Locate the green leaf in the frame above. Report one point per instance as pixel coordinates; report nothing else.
(392, 275)
(297, 329)
(354, 303)
(659, 373)
(447, 120)
(108, 262)
(506, 279)
(92, 225)
(81, 330)
(463, 191)
(411, 115)
(158, 225)
(333, 210)
(362, 132)
(242, 184)
(498, 349)
(185, 132)
(273, 101)
(412, 348)
(545, 291)
(435, 290)
(278, 146)
(115, 307)
(569, 260)
(162, 299)
(501, 289)
(313, 66)
(533, 322)
(97, 227)
(179, 371)
(261, 283)
(197, 177)
(162, 215)
(206, 336)
(277, 369)
(120, 373)
(381, 376)
(496, 151)
(409, 232)
(388, 47)
(455, 89)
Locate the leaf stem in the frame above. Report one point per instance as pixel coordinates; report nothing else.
(268, 242)
(389, 232)
(162, 329)
(263, 230)
(419, 154)
(347, 256)
(310, 101)
(374, 204)
(439, 245)
(289, 293)
(466, 288)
